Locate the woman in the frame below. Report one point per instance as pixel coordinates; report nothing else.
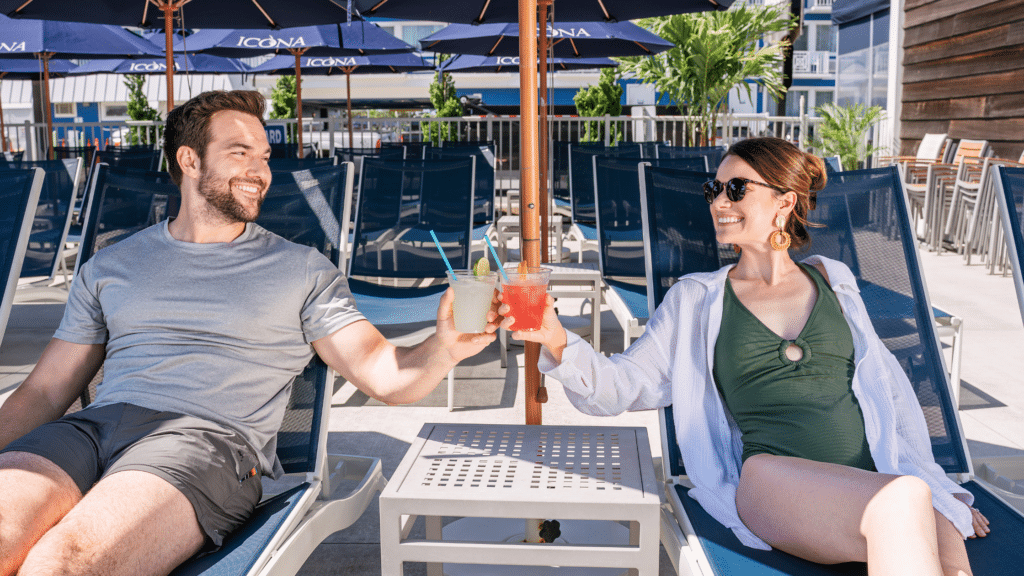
(799, 429)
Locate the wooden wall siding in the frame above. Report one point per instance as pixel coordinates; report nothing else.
(963, 72)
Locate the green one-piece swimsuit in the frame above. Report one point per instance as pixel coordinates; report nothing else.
(803, 408)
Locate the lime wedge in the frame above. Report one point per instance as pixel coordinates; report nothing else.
(481, 267)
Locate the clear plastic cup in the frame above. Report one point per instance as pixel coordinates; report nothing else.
(525, 294)
(473, 296)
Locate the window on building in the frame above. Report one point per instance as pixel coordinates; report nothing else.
(64, 109)
(825, 40)
(115, 111)
(412, 34)
(793, 102)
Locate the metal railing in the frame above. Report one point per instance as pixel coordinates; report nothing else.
(327, 134)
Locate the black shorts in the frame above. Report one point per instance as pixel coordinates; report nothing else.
(213, 466)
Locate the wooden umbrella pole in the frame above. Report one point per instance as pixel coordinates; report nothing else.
(528, 183)
(46, 102)
(298, 52)
(542, 126)
(168, 8)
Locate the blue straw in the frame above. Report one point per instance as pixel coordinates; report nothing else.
(501, 267)
(439, 249)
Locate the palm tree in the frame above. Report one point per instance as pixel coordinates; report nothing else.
(714, 53)
(843, 132)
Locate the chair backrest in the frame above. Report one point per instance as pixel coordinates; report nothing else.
(122, 202)
(833, 164)
(1009, 186)
(412, 150)
(308, 207)
(126, 201)
(290, 151)
(53, 214)
(617, 196)
(14, 156)
(135, 158)
(714, 154)
(867, 227)
(581, 177)
(560, 165)
(293, 164)
(484, 201)
(649, 150)
(467, 143)
(88, 153)
(399, 203)
(932, 147)
(970, 149)
(19, 193)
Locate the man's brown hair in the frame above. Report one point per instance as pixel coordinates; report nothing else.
(189, 124)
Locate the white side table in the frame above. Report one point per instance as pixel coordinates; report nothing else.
(504, 471)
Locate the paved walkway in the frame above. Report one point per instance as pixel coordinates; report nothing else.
(992, 400)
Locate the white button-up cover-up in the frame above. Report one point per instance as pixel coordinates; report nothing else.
(671, 364)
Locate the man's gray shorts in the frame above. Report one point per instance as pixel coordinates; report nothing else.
(213, 466)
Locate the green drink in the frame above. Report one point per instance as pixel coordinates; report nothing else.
(473, 296)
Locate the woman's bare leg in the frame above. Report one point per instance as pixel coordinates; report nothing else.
(829, 513)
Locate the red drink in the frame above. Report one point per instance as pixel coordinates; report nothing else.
(525, 293)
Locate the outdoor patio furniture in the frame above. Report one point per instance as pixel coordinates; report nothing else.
(45, 253)
(484, 200)
(286, 527)
(1009, 188)
(935, 191)
(291, 151)
(972, 208)
(138, 158)
(494, 477)
(714, 154)
(869, 230)
(581, 190)
(294, 164)
(620, 236)
(833, 164)
(413, 150)
(399, 203)
(19, 194)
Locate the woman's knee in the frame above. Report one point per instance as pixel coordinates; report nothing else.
(904, 498)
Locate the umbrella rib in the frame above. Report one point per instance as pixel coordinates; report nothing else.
(495, 47)
(377, 5)
(483, 11)
(18, 9)
(574, 49)
(642, 47)
(265, 15)
(607, 16)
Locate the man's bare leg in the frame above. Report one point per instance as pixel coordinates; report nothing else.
(36, 494)
(130, 523)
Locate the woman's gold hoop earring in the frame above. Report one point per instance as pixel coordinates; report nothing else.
(780, 240)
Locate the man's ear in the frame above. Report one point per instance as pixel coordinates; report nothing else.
(189, 162)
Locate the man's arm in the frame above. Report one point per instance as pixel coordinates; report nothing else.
(361, 354)
(59, 377)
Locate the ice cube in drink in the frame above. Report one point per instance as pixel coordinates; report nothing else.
(473, 295)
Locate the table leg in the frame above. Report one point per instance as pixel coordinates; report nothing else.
(595, 315)
(433, 533)
(390, 541)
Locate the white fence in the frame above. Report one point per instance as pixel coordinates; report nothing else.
(327, 134)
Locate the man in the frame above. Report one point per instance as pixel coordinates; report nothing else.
(200, 323)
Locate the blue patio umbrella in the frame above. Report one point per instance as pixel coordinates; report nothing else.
(24, 69)
(484, 11)
(46, 39)
(347, 65)
(568, 40)
(197, 63)
(268, 14)
(349, 39)
(474, 63)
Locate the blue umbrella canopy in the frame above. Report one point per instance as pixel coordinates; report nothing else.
(568, 40)
(473, 63)
(24, 69)
(26, 38)
(484, 11)
(195, 63)
(348, 39)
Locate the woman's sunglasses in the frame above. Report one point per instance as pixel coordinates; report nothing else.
(734, 189)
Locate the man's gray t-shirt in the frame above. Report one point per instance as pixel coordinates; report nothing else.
(216, 331)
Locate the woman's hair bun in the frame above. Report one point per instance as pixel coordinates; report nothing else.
(815, 167)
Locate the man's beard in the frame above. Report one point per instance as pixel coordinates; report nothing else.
(218, 195)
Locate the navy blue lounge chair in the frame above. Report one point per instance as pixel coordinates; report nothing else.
(1009, 184)
(19, 194)
(45, 252)
(869, 230)
(285, 527)
(399, 203)
(620, 239)
(581, 189)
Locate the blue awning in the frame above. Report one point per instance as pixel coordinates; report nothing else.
(844, 11)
